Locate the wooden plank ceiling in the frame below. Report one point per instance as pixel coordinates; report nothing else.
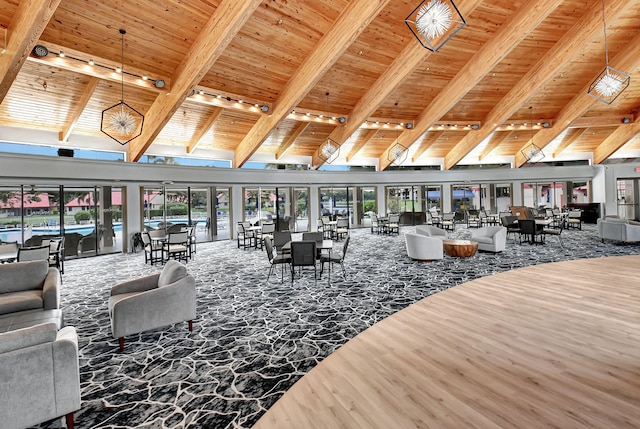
(311, 63)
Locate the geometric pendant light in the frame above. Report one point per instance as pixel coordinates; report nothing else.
(435, 23)
(397, 154)
(329, 150)
(532, 152)
(122, 122)
(610, 82)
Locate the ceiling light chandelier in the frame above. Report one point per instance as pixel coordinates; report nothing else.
(610, 82)
(532, 152)
(329, 150)
(122, 122)
(397, 153)
(435, 22)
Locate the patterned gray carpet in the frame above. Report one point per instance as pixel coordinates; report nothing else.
(254, 338)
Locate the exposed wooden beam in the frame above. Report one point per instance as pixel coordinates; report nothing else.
(615, 141)
(77, 62)
(204, 129)
(349, 25)
(403, 66)
(627, 59)
(526, 19)
(222, 27)
(368, 136)
(63, 135)
(299, 129)
(25, 29)
(571, 44)
(428, 141)
(496, 139)
(568, 141)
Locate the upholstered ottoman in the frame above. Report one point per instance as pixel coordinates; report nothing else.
(25, 319)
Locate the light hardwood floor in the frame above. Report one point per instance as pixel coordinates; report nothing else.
(553, 346)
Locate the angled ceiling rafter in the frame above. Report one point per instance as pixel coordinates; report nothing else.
(219, 31)
(568, 141)
(24, 31)
(627, 59)
(204, 129)
(524, 20)
(349, 25)
(615, 141)
(428, 141)
(571, 44)
(63, 135)
(497, 138)
(368, 136)
(299, 129)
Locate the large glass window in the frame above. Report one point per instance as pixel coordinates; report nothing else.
(218, 226)
(465, 197)
(336, 201)
(269, 204)
(301, 201)
(627, 191)
(433, 198)
(548, 195)
(369, 205)
(89, 218)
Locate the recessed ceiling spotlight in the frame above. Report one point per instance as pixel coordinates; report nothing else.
(144, 77)
(61, 54)
(626, 120)
(159, 83)
(40, 51)
(91, 62)
(342, 119)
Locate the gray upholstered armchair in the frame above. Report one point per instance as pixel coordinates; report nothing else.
(153, 301)
(40, 375)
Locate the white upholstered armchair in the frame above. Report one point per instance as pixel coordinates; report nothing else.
(153, 301)
(422, 247)
(39, 375)
(490, 238)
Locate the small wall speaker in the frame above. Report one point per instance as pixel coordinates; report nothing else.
(65, 152)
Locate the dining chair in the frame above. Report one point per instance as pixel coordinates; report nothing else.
(333, 258)
(393, 226)
(448, 221)
(509, 222)
(342, 228)
(8, 251)
(177, 246)
(303, 254)
(245, 234)
(153, 250)
(556, 232)
(275, 259)
(529, 229)
(192, 239)
(268, 228)
(375, 224)
(56, 254)
(33, 253)
(318, 237)
(280, 238)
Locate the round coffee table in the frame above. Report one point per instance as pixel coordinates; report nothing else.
(460, 248)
